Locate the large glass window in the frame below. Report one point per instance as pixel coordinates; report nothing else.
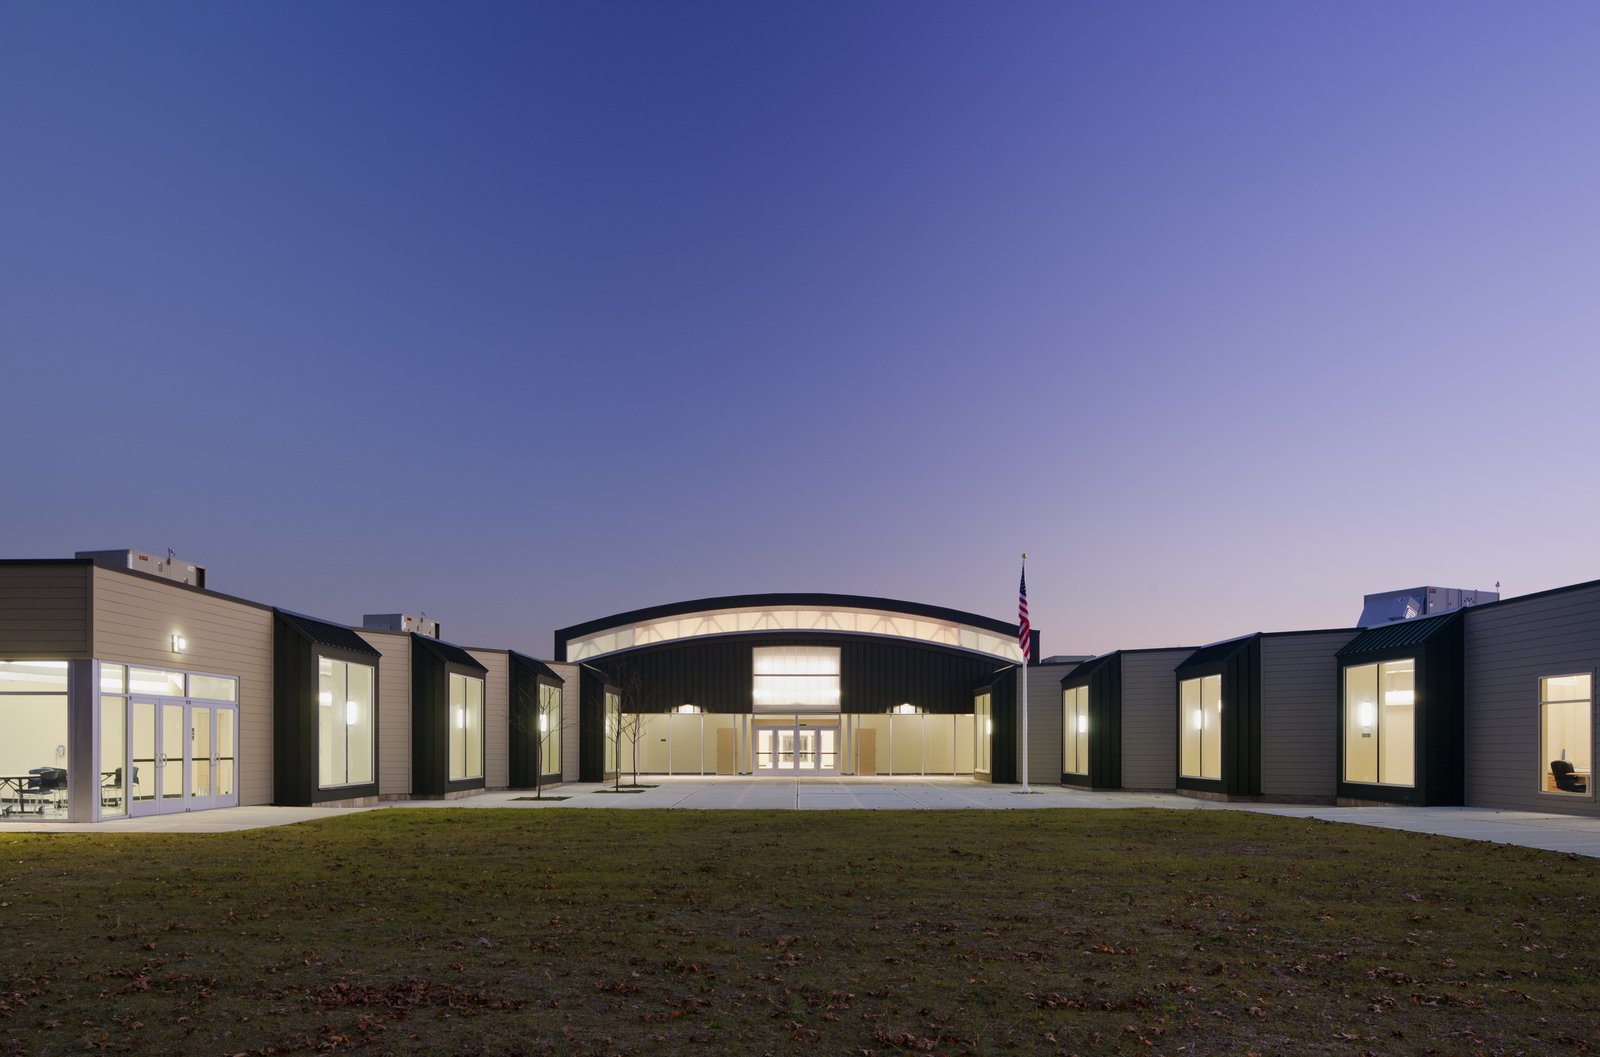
(113, 751)
(550, 729)
(345, 728)
(1566, 736)
(33, 738)
(983, 732)
(1075, 730)
(1380, 723)
(466, 727)
(613, 728)
(1200, 713)
(788, 678)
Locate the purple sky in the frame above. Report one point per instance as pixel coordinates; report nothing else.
(523, 314)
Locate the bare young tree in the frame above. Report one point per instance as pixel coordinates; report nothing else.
(631, 721)
(528, 721)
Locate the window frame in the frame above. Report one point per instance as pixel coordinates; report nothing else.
(1380, 727)
(1543, 763)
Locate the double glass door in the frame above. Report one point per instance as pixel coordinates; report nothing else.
(798, 749)
(182, 756)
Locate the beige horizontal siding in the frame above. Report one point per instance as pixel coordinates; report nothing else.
(1510, 646)
(1044, 723)
(1150, 718)
(134, 621)
(496, 717)
(44, 612)
(394, 710)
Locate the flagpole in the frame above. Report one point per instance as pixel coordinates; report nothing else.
(1023, 675)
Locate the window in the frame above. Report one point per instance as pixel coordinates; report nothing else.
(1200, 713)
(1075, 730)
(549, 729)
(613, 729)
(466, 727)
(1380, 723)
(788, 678)
(33, 748)
(1566, 737)
(983, 731)
(345, 725)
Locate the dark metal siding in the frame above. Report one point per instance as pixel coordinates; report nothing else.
(1440, 715)
(592, 724)
(431, 667)
(1103, 677)
(875, 674)
(1149, 742)
(295, 752)
(526, 676)
(1003, 710)
(1299, 709)
(1239, 664)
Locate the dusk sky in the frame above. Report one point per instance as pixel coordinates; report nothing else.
(525, 314)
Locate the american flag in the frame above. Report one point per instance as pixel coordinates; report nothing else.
(1024, 629)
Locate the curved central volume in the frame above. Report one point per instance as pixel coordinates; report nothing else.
(838, 615)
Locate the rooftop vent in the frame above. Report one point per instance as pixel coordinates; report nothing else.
(401, 622)
(1388, 607)
(168, 567)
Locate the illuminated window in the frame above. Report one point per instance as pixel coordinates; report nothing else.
(983, 732)
(1380, 723)
(1566, 739)
(466, 727)
(550, 729)
(345, 725)
(1075, 730)
(1200, 714)
(791, 678)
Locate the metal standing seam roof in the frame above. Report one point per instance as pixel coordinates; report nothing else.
(448, 652)
(1090, 666)
(324, 633)
(1400, 633)
(539, 667)
(1217, 651)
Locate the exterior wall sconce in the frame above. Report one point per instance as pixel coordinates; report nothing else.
(1083, 724)
(179, 643)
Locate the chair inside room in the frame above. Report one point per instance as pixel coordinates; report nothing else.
(49, 785)
(1566, 780)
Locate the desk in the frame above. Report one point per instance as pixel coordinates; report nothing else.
(18, 784)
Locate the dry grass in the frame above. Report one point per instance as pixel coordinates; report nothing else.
(573, 933)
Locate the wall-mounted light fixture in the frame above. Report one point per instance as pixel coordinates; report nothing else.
(1083, 724)
(1199, 720)
(906, 709)
(1369, 713)
(179, 643)
(688, 709)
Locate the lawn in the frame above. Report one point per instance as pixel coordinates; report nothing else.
(641, 932)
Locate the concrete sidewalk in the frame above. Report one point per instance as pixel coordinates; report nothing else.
(1562, 833)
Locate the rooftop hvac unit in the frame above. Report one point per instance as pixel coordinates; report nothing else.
(401, 622)
(1387, 607)
(167, 567)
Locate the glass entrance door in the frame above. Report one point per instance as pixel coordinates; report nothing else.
(181, 756)
(800, 748)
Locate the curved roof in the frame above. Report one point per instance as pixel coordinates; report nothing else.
(801, 612)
